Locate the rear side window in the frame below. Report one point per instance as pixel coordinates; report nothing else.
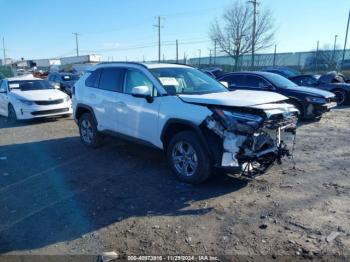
(112, 79)
(93, 78)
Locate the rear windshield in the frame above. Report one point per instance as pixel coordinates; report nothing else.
(29, 85)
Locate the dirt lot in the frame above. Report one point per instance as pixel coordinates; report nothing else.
(58, 197)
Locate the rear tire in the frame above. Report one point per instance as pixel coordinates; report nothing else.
(11, 116)
(88, 131)
(340, 96)
(187, 158)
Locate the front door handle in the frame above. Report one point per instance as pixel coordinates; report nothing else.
(121, 104)
(92, 96)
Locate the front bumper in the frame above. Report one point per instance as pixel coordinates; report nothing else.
(24, 112)
(321, 109)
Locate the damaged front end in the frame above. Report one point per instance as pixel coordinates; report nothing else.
(252, 138)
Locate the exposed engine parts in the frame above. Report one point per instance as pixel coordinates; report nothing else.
(250, 142)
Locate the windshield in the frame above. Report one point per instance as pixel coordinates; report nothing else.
(70, 77)
(187, 81)
(29, 85)
(280, 81)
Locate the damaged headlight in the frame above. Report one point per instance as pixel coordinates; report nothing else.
(239, 122)
(317, 100)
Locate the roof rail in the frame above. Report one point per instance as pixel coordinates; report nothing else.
(121, 62)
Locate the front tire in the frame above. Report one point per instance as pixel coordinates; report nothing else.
(12, 116)
(88, 131)
(188, 159)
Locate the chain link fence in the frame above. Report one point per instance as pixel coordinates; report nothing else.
(305, 62)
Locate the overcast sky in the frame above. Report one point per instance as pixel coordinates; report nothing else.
(118, 29)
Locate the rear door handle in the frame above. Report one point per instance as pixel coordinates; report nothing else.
(92, 96)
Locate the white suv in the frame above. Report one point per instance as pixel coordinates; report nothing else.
(192, 117)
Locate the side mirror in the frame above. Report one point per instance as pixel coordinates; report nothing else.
(142, 91)
(224, 83)
(3, 91)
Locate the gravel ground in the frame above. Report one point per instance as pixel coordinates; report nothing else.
(58, 197)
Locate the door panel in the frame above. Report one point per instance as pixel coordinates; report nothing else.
(137, 117)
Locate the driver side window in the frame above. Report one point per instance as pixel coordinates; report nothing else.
(135, 78)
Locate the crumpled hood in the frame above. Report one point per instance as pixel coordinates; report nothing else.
(237, 98)
(311, 91)
(39, 95)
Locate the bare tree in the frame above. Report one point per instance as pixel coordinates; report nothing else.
(233, 33)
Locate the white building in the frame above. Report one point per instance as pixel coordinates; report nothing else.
(82, 59)
(46, 62)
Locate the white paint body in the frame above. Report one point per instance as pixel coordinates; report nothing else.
(137, 118)
(24, 111)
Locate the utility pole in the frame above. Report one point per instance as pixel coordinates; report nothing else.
(215, 41)
(210, 55)
(185, 58)
(199, 57)
(76, 42)
(4, 50)
(177, 51)
(346, 38)
(255, 3)
(158, 26)
(334, 47)
(274, 56)
(316, 62)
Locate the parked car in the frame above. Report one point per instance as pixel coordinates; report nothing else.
(28, 97)
(192, 117)
(63, 81)
(283, 71)
(214, 72)
(331, 81)
(311, 102)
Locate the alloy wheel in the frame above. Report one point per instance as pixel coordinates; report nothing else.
(185, 158)
(86, 131)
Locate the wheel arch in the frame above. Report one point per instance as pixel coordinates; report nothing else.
(174, 126)
(81, 109)
(298, 101)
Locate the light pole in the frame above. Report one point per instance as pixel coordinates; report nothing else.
(199, 57)
(346, 38)
(334, 47)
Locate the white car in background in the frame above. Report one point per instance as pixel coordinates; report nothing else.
(27, 97)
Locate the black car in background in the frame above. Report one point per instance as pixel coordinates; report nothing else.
(332, 82)
(64, 81)
(311, 102)
(283, 71)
